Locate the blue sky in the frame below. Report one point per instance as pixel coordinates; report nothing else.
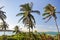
(12, 8)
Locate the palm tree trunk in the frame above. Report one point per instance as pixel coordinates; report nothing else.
(4, 32)
(32, 30)
(57, 28)
(18, 36)
(29, 33)
(29, 27)
(3, 24)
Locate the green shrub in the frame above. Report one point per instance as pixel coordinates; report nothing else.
(11, 39)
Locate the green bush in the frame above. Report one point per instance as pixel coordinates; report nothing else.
(11, 39)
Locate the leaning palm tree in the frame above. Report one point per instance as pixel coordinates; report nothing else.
(50, 11)
(2, 16)
(28, 18)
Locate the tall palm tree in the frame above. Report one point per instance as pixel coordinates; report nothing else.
(2, 17)
(28, 18)
(50, 11)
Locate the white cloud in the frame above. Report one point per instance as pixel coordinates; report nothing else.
(39, 28)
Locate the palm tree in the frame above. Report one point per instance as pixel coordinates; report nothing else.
(17, 31)
(50, 11)
(28, 18)
(2, 17)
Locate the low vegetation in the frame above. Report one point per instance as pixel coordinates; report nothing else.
(25, 36)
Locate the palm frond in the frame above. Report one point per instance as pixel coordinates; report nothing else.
(25, 7)
(1, 7)
(49, 8)
(47, 17)
(32, 25)
(20, 19)
(24, 20)
(54, 15)
(26, 13)
(35, 11)
(32, 17)
(19, 14)
(2, 11)
(31, 5)
(45, 14)
(2, 14)
(57, 12)
(22, 9)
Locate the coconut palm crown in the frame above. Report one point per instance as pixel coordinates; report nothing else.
(2, 14)
(28, 18)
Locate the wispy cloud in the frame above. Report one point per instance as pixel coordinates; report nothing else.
(39, 28)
